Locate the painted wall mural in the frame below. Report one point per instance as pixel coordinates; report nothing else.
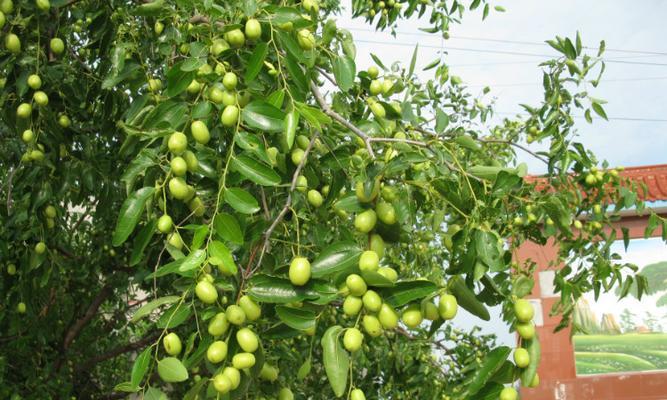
(629, 335)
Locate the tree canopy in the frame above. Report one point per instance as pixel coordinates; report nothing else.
(209, 199)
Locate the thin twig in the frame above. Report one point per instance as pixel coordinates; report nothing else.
(326, 75)
(334, 115)
(517, 145)
(267, 214)
(9, 189)
(91, 362)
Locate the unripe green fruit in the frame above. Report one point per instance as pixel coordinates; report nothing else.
(200, 132)
(352, 305)
(50, 223)
(222, 384)
(40, 248)
(376, 244)
(219, 46)
(310, 5)
(526, 330)
(253, 29)
(369, 261)
(447, 306)
(388, 317)
(352, 339)
(521, 357)
(389, 194)
(375, 87)
(7, 6)
(508, 393)
(196, 206)
(177, 143)
(164, 224)
(37, 155)
(34, 81)
(28, 136)
(11, 269)
(299, 271)
(64, 121)
(306, 39)
(194, 87)
(229, 81)
(218, 324)
(191, 161)
(24, 110)
(235, 38)
(175, 240)
(43, 5)
(297, 156)
(247, 340)
(535, 382)
(233, 375)
(216, 95)
(357, 394)
(388, 273)
(315, 198)
(154, 85)
(386, 213)
(301, 183)
(372, 301)
(217, 351)
(57, 46)
(378, 110)
(523, 310)
(172, 344)
(21, 308)
(228, 98)
(365, 222)
(268, 372)
(230, 116)
(356, 285)
(158, 27)
(243, 360)
(178, 166)
(412, 317)
(372, 325)
(302, 141)
(360, 191)
(285, 394)
(206, 292)
(50, 212)
(178, 188)
(251, 309)
(13, 43)
(373, 72)
(430, 311)
(235, 315)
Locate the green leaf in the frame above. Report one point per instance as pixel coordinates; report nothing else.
(467, 298)
(152, 305)
(406, 292)
(263, 116)
(141, 241)
(193, 260)
(256, 61)
(241, 201)
(304, 370)
(489, 250)
(270, 289)
(227, 227)
(441, 120)
(219, 251)
(413, 61)
(599, 110)
(178, 80)
(140, 366)
(534, 351)
(338, 257)
(255, 171)
(171, 369)
(314, 116)
(137, 167)
(490, 365)
(344, 70)
(522, 286)
(129, 215)
(154, 394)
(174, 316)
(296, 318)
(378, 61)
(336, 360)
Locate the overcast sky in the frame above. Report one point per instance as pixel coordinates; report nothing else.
(636, 93)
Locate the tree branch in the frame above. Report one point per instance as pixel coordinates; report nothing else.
(517, 145)
(76, 328)
(115, 352)
(339, 118)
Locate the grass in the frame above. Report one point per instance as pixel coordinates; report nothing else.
(596, 354)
